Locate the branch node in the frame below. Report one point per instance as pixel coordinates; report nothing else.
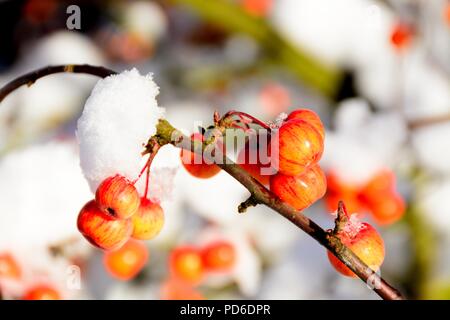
(341, 218)
(250, 202)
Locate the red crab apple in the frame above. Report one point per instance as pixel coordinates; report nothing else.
(310, 117)
(195, 164)
(338, 189)
(186, 264)
(388, 209)
(302, 190)
(126, 262)
(9, 268)
(101, 229)
(174, 289)
(447, 13)
(218, 256)
(298, 145)
(401, 35)
(148, 220)
(364, 241)
(42, 292)
(118, 197)
(258, 8)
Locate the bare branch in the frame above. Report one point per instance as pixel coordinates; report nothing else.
(30, 78)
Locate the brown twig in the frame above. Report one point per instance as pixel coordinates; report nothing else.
(425, 122)
(30, 78)
(259, 194)
(166, 133)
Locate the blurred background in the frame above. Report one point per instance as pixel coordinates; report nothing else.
(376, 72)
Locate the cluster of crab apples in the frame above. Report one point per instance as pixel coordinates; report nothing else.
(294, 150)
(117, 214)
(190, 265)
(296, 178)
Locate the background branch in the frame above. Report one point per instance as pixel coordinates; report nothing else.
(31, 77)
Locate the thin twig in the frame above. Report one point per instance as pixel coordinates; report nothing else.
(425, 122)
(32, 77)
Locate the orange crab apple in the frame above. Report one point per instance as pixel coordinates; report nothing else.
(381, 183)
(174, 289)
(195, 164)
(337, 190)
(118, 197)
(447, 13)
(101, 229)
(388, 209)
(310, 117)
(364, 241)
(295, 146)
(259, 8)
(148, 220)
(274, 98)
(9, 268)
(401, 35)
(352, 202)
(302, 190)
(218, 256)
(126, 262)
(42, 292)
(186, 264)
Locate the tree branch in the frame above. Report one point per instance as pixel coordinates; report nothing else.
(30, 78)
(426, 122)
(166, 133)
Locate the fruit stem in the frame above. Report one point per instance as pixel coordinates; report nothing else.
(152, 148)
(242, 116)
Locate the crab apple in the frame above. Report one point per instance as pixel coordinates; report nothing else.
(258, 8)
(148, 220)
(195, 164)
(401, 35)
(9, 268)
(383, 182)
(218, 256)
(300, 191)
(174, 289)
(42, 292)
(447, 13)
(274, 98)
(352, 201)
(298, 144)
(102, 230)
(364, 241)
(186, 264)
(310, 117)
(388, 209)
(126, 262)
(337, 190)
(255, 159)
(118, 197)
